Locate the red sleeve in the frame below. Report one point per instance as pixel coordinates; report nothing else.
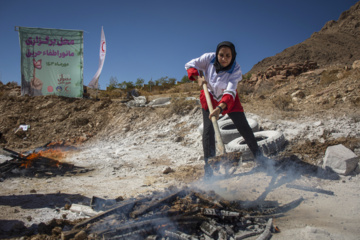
(192, 72)
(228, 100)
(232, 105)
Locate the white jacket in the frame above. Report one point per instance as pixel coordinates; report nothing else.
(224, 82)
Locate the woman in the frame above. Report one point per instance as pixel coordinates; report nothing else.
(222, 74)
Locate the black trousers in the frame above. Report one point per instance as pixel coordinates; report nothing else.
(242, 125)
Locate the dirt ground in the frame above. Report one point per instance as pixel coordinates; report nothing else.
(125, 150)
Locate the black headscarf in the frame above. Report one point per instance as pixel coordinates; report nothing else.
(217, 65)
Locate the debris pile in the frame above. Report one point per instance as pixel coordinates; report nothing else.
(181, 214)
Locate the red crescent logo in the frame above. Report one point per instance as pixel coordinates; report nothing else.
(102, 46)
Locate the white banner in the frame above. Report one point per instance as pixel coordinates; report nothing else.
(94, 82)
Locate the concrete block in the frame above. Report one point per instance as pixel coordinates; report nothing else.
(340, 159)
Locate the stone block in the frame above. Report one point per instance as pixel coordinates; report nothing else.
(356, 64)
(340, 159)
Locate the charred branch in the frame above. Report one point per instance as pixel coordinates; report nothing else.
(156, 203)
(179, 235)
(153, 226)
(267, 232)
(124, 207)
(310, 189)
(219, 213)
(209, 229)
(285, 207)
(244, 235)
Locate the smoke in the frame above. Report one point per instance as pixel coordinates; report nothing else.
(254, 184)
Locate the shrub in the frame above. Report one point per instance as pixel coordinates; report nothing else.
(265, 88)
(181, 106)
(247, 76)
(112, 93)
(328, 77)
(245, 89)
(12, 84)
(282, 102)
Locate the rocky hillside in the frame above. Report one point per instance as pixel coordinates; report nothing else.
(338, 42)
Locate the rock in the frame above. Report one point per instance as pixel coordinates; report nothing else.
(356, 64)
(298, 94)
(126, 128)
(340, 75)
(81, 235)
(160, 101)
(56, 231)
(318, 123)
(178, 139)
(137, 102)
(167, 170)
(340, 159)
(357, 169)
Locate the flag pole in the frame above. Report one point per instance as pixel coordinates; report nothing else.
(94, 82)
(97, 88)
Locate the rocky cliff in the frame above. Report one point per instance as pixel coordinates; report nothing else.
(338, 42)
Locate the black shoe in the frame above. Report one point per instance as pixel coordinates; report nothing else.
(208, 171)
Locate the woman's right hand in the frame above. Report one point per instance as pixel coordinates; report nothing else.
(200, 80)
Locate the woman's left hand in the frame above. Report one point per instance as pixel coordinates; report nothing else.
(217, 110)
(215, 113)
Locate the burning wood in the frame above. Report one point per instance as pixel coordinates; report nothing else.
(183, 214)
(44, 161)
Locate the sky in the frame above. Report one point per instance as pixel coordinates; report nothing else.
(151, 39)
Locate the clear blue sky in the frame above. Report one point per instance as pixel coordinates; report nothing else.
(150, 39)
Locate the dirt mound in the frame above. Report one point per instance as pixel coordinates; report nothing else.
(54, 119)
(338, 42)
(48, 118)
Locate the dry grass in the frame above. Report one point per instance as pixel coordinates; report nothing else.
(180, 106)
(282, 102)
(115, 93)
(333, 75)
(266, 88)
(328, 77)
(245, 89)
(185, 88)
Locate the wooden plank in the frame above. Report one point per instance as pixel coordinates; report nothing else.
(124, 207)
(267, 232)
(88, 211)
(157, 203)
